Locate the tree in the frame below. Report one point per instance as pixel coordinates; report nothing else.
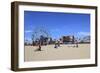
(40, 33)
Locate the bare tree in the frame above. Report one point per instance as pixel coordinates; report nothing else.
(39, 36)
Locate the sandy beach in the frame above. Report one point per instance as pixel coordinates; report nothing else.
(64, 52)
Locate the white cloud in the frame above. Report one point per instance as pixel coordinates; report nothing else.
(28, 31)
(83, 33)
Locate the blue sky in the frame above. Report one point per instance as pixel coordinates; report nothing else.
(58, 24)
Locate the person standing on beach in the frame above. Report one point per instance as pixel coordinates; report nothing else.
(39, 49)
(76, 42)
(56, 46)
(59, 43)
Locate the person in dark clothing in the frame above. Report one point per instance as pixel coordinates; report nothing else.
(76, 42)
(58, 43)
(56, 46)
(39, 44)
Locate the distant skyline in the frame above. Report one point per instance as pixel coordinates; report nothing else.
(58, 24)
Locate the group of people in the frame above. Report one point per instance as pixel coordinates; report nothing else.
(57, 44)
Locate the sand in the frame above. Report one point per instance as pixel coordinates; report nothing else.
(64, 52)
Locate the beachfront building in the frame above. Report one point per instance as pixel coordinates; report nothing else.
(68, 39)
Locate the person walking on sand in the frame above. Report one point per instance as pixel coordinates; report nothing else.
(56, 46)
(76, 42)
(39, 44)
(58, 43)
